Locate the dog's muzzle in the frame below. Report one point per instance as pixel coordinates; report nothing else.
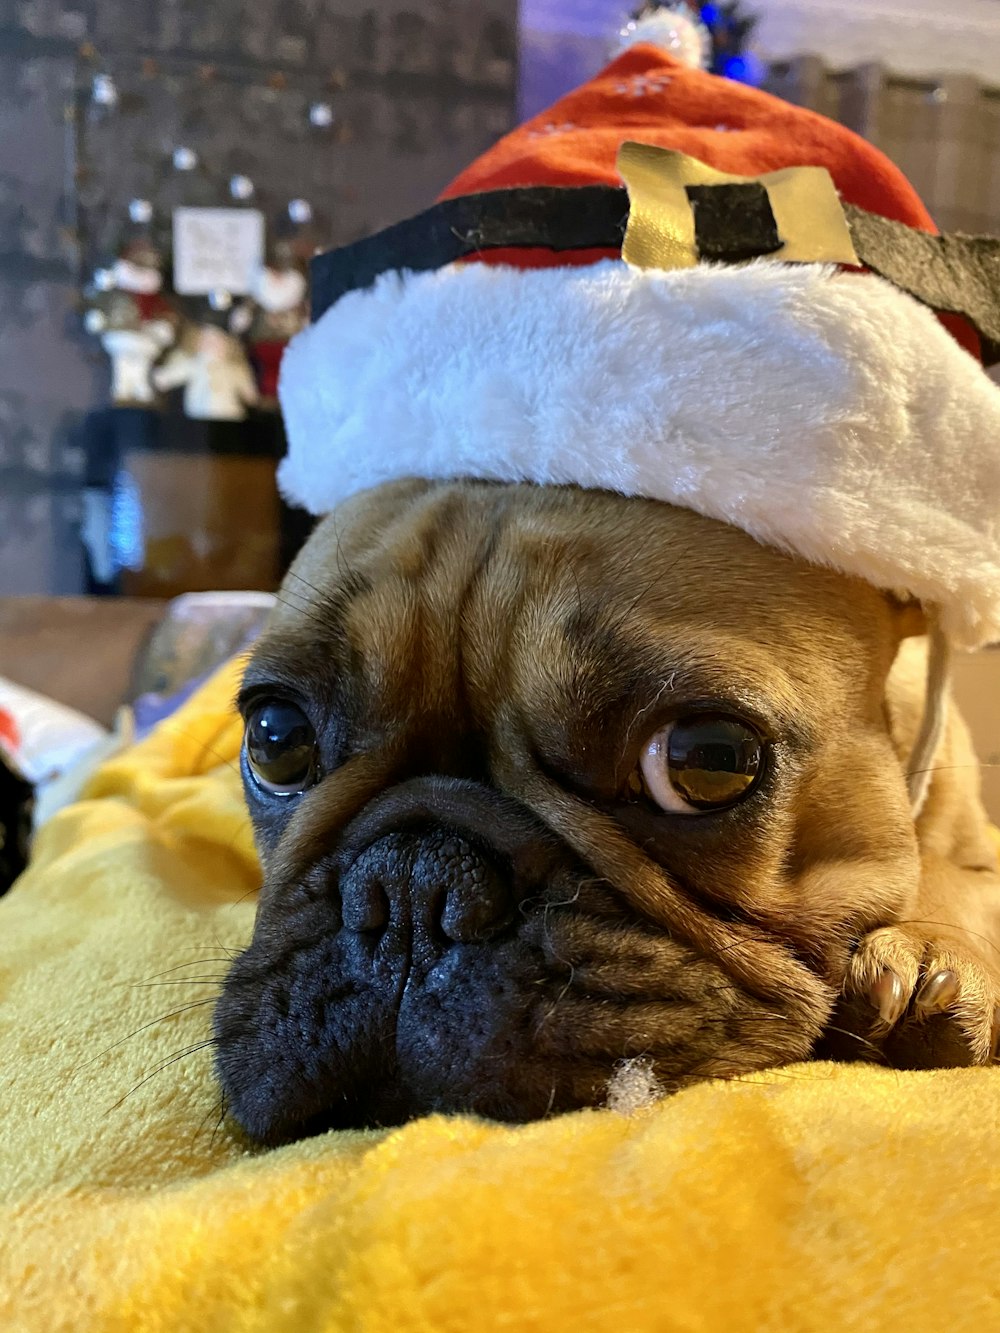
(404, 973)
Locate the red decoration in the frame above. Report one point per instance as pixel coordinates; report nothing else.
(266, 357)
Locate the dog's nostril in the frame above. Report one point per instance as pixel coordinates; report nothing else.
(477, 902)
(365, 903)
(468, 919)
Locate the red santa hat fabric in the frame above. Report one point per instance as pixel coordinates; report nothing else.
(821, 410)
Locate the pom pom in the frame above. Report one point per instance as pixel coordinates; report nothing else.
(675, 29)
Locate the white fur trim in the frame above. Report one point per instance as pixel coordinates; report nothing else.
(824, 413)
(674, 30)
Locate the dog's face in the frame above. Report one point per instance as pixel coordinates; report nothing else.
(542, 780)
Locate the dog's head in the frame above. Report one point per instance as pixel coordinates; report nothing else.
(545, 779)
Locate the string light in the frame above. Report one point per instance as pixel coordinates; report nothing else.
(104, 90)
(321, 114)
(140, 211)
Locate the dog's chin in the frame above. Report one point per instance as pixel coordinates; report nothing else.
(430, 974)
(365, 1030)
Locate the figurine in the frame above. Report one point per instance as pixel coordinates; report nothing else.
(278, 311)
(212, 367)
(135, 322)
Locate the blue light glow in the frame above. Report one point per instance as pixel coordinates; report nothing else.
(709, 15)
(747, 68)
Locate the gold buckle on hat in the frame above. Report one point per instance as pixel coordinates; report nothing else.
(683, 212)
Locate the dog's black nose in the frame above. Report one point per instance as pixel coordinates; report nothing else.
(436, 882)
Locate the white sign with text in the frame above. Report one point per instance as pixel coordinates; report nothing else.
(217, 249)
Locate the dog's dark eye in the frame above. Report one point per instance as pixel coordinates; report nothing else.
(281, 748)
(701, 763)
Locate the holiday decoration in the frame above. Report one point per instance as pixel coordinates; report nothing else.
(216, 252)
(675, 28)
(209, 258)
(321, 115)
(216, 249)
(211, 366)
(141, 211)
(280, 310)
(68, 185)
(712, 36)
(133, 320)
(104, 91)
(705, 337)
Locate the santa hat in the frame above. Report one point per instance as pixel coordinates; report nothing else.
(717, 337)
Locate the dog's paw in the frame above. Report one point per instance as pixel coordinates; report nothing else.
(921, 1002)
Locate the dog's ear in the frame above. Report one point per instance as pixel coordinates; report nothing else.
(910, 616)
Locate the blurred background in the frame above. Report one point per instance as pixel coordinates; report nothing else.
(167, 167)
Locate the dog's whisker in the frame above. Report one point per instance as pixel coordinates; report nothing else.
(218, 1111)
(174, 1013)
(183, 981)
(856, 1036)
(779, 1071)
(180, 1055)
(949, 768)
(231, 954)
(223, 1112)
(193, 962)
(171, 726)
(303, 608)
(321, 612)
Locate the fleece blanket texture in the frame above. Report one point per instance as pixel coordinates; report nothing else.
(817, 1197)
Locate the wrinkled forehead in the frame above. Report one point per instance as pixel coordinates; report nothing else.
(568, 593)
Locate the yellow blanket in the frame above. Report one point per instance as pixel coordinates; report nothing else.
(813, 1198)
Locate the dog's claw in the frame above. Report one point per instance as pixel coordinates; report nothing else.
(888, 997)
(938, 992)
(937, 1000)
